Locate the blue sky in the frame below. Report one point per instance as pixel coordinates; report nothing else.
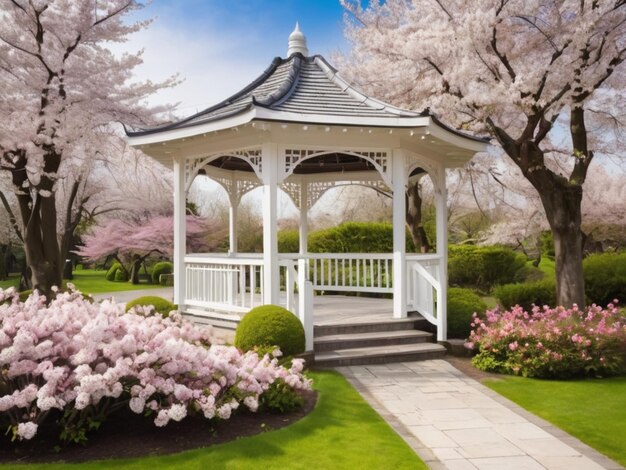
(219, 46)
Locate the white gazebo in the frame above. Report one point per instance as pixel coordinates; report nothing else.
(303, 129)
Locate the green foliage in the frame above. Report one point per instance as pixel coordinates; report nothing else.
(112, 272)
(526, 294)
(529, 274)
(159, 304)
(121, 275)
(280, 398)
(605, 277)
(546, 242)
(462, 303)
(356, 237)
(25, 294)
(270, 325)
(166, 280)
(288, 241)
(163, 267)
(483, 267)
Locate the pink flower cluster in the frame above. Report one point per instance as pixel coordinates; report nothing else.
(551, 342)
(75, 354)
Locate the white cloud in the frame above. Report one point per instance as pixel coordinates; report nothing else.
(206, 61)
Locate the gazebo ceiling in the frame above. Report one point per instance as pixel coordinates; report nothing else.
(328, 163)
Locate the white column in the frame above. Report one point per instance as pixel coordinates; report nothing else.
(304, 216)
(232, 225)
(305, 303)
(399, 233)
(271, 277)
(180, 232)
(441, 206)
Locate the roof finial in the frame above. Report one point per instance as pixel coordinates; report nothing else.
(297, 43)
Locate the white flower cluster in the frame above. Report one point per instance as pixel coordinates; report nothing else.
(73, 353)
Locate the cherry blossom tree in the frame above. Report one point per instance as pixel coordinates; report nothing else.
(132, 242)
(512, 69)
(61, 89)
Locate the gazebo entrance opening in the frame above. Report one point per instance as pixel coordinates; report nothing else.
(301, 128)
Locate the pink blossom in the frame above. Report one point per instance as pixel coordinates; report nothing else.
(27, 430)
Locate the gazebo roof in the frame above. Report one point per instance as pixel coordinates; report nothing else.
(304, 85)
(301, 89)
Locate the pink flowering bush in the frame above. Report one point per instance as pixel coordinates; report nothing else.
(551, 343)
(74, 362)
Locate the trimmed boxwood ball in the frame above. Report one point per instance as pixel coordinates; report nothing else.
(270, 325)
(112, 271)
(161, 305)
(462, 303)
(162, 267)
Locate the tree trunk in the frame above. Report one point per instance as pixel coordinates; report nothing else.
(134, 269)
(414, 218)
(41, 246)
(562, 203)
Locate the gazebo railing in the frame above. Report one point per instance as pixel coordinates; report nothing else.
(235, 283)
(232, 284)
(424, 284)
(347, 272)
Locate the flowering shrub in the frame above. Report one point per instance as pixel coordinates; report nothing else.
(75, 362)
(557, 342)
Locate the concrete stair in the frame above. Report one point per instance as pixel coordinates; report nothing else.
(226, 321)
(374, 342)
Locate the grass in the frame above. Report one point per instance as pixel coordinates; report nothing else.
(593, 410)
(93, 282)
(548, 266)
(343, 432)
(12, 281)
(89, 281)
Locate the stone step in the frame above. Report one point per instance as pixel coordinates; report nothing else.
(379, 355)
(370, 326)
(377, 338)
(205, 317)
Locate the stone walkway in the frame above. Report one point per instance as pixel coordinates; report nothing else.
(454, 422)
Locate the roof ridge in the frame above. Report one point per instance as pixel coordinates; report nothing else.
(334, 76)
(287, 87)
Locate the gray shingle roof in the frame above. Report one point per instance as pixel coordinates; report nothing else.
(303, 85)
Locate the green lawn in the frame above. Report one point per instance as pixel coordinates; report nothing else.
(548, 266)
(593, 410)
(90, 282)
(343, 432)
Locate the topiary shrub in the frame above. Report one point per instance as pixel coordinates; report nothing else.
(605, 277)
(527, 294)
(158, 304)
(162, 267)
(462, 303)
(121, 275)
(483, 267)
(166, 280)
(270, 325)
(112, 271)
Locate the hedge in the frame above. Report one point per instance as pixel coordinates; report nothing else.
(605, 278)
(526, 294)
(484, 267)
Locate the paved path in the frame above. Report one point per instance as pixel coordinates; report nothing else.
(454, 422)
(128, 295)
